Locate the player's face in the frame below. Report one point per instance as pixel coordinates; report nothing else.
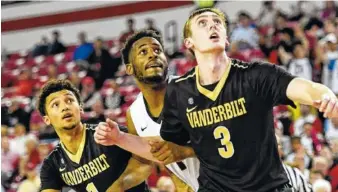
(148, 61)
(63, 110)
(208, 33)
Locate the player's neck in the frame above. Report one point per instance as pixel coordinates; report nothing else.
(211, 66)
(71, 139)
(153, 97)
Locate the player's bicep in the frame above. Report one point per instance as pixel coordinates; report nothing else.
(172, 129)
(130, 124)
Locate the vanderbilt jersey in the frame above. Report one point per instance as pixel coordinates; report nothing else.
(94, 168)
(230, 127)
(146, 126)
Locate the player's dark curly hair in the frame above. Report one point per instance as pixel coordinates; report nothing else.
(135, 37)
(52, 87)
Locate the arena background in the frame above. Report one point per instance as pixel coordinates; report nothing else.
(299, 36)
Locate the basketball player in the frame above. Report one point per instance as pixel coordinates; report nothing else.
(77, 161)
(223, 108)
(144, 58)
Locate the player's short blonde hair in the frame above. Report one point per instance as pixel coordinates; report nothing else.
(187, 26)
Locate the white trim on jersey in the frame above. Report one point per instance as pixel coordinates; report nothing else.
(145, 127)
(297, 179)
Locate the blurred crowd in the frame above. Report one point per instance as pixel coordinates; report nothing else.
(303, 42)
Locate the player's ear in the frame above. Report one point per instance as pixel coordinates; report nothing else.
(46, 120)
(129, 69)
(81, 109)
(188, 43)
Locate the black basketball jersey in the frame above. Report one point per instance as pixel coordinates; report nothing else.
(231, 127)
(93, 169)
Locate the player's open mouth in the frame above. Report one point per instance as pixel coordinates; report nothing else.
(214, 36)
(154, 65)
(67, 116)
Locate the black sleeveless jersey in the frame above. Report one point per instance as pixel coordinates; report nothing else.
(93, 169)
(231, 127)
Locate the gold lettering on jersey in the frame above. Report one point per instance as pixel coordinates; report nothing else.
(216, 114)
(228, 110)
(93, 168)
(86, 171)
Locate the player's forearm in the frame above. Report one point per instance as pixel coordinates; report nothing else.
(183, 152)
(135, 173)
(136, 145)
(306, 92)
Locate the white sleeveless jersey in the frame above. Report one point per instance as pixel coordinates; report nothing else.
(146, 127)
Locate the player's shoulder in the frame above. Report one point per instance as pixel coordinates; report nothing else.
(53, 157)
(186, 78)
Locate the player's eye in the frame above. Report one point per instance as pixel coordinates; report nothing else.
(55, 105)
(70, 100)
(157, 50)
(217, 21)
(202, 23)
(143, 52)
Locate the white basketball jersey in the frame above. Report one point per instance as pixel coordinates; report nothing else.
(146, 127)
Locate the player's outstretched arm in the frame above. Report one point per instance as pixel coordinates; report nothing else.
(315, 94)
(108, 133)
(135, 173)
(168, 152)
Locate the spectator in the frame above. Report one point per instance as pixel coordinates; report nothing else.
(52, 72)
(109, 65)
(165, 184)
(130, 31)
(4, 131)
(41, 48)
(299, 65)
(83, 51)
(88, 93)
(9, 160)
(14, 115)
(321, 185)
(298, 156)
(151, 26)
(36, 123)
(315, 175)
(267, 14)
(111, 96)
(329, 60)
(330, 10)
(306, 138)
(331, 129)
(32, 183)
(73, 77)
(17, 144)
(56, 46)
(244, 32)
(97, 114)
(306, 116)
(235, 53)
(321, 164)
(296, 178)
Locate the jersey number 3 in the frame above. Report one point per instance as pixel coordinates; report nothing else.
(91, 187)
(223, 133)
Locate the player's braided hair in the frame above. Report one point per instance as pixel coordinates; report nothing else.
(135, 37)
(52, 87)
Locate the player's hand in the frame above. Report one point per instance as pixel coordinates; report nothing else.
(164, 151)
(107, 133)
(328, 105)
